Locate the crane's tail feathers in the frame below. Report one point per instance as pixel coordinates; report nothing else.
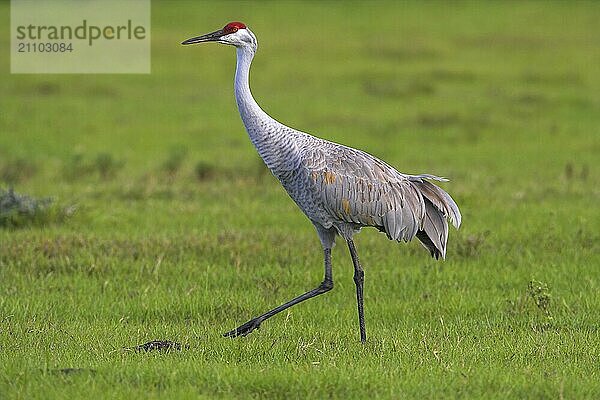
(434, 232)
(440, 199)
(439, 207)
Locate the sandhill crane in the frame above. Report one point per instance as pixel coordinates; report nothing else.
(340, 189)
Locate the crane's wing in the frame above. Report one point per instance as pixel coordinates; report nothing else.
(356, 187)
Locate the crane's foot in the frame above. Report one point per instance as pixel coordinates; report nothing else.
(245, 329)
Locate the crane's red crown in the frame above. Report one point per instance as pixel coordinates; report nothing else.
(233, 27)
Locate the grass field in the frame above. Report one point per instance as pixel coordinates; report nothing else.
(166, 225)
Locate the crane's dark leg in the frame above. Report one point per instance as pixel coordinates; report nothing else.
(325, 286)
(359, 278)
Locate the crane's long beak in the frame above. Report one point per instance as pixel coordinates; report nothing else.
(209, 37)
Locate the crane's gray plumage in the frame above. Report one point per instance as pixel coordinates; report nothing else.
(340, 189)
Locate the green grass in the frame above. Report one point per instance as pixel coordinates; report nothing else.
(176, 232)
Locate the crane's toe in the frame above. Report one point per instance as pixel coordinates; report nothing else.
(245, 329)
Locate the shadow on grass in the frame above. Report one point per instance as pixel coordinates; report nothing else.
(105, 166)
(16, 170)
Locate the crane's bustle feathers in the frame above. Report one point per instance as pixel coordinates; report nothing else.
(357, 188)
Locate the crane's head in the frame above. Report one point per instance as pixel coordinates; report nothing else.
(234, 33)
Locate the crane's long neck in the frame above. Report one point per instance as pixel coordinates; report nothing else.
(250, 111)
(268, 135)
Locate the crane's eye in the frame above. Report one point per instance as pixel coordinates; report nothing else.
(230, 29)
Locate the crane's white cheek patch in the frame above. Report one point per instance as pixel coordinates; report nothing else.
(72, 36)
